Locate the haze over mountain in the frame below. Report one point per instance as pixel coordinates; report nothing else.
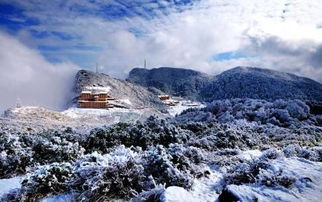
(239, 82)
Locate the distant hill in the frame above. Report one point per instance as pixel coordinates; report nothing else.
(239, 82)
(134, 94)
(175, 81)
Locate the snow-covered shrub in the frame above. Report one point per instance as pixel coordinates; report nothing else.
(219, 107)
(195, 115)
(279, 104)
(55, 150)
(298, 151)
(226, 138)
(282, 116)
(50, 179)
(185, 158)
(298, 109)
(15, 157)
(151, 132)
(283, 113)
(246, 172)
(272, 179)
(102, 177)
(157, 163)
(270, 154)
(226, 117)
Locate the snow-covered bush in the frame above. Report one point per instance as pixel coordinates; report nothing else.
(246, 172)
(102, 177)
(298, 151)
(55, 150)
(226, 138)
(298, 109)
(283, 113)
(158, 164)
(15, 157)
(151, 132)
(273, 179)
(270, 154)
(186, 158)
(50, 179)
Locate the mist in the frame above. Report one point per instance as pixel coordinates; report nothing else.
(28, 79)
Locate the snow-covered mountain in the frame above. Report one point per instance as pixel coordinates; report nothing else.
(239, 82)
(175, 81)
(228, 150)
(130, 94)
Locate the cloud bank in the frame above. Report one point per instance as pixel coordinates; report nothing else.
(205, 35)
(27, 78)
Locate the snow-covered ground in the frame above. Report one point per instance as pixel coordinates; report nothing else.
(308, 188)
(111, 115)
(98, 88)
(82, 112)
(183, 105)
(250, 154)
(58, 198)
(11, 183)
(204, 189)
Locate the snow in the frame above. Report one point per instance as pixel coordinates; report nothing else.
(177, 194)
(203, 189)
(250, 154)
(126, 101)
(304, 190)
(184, 105)
(11, 183)
(100, 89)
(58, 198)
(83, 113)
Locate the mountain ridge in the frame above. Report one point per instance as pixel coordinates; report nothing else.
(238, 82)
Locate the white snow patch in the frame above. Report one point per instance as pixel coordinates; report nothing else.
(183, 105)
(204, 189)
(126, 101)
(11, 183)
(308, 186)
(58, 198)
(98, 89)
(177, 194)
(84, 113)
(250, 154)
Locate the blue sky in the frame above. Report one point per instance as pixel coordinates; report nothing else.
(206, 35)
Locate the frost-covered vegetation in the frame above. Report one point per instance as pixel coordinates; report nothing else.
(139, 161)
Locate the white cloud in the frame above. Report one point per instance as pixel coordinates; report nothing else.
(278, 34)
(28, 77)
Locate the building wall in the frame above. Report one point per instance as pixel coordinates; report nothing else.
(89, 100)
(93, 104)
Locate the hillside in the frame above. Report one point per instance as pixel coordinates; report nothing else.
(239, 82)
(131, 94)
(257, 83)
(175, 81)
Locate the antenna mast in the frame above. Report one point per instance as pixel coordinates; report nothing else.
(144, 63)
(96, 68)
